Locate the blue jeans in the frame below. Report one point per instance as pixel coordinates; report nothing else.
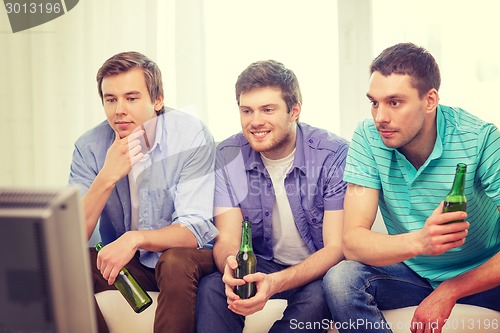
(306, 304)
(357, 293)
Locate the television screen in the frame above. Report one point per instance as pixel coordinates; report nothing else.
(45, 281)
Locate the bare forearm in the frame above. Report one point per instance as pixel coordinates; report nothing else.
(120, 157)
(94, 201)
(359, 241)
(221, 251)
(312, 268)
(435, 238)
(372, 248)
(484, 277)
(159, 240)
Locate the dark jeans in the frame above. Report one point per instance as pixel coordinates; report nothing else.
(176, 277)
(306, 305)
(357, 293)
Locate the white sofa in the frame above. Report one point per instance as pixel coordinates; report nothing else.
(464, 318)
(122, 319)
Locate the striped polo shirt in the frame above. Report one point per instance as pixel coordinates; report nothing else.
(408, 196)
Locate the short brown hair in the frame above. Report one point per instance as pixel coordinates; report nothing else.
(412, 60)
(270, 73)
(125, 61)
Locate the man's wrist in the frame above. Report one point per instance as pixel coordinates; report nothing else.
(450, 290)
(277, 282)
(136, 238)
(105, 181)
(416, 247)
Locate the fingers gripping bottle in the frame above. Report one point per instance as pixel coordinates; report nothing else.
(126, 283)
(247, 262)
(456, 200)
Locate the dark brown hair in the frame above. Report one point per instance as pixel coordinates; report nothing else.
(270, 73)
(412, 60)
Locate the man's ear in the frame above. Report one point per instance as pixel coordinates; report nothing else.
(431, 100)
(159, 103)
(295, 112)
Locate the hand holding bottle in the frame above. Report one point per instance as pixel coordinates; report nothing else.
(438, 235)
(229, 277)
(130, 288)
(265, 287)
(116, 255)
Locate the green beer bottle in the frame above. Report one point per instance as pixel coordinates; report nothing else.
(456, 200)
(126, 283)
(247, 262)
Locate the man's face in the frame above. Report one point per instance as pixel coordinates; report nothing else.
(397, 110)
(127, 102)
(266, 122)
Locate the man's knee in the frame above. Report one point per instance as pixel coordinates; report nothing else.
(194, 263)
(338, 279)
(211, 284)
(312, 292)
(313, 298)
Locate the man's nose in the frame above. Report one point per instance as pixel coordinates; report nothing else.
(382, 115)
(257, 118)
(120, 108)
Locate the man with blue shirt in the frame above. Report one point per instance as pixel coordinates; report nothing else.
(146, 174)
(404, 161)
(285, 177)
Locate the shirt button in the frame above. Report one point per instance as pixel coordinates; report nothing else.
(314, 220)
(266, 213)
(311, 140)
(269, 184)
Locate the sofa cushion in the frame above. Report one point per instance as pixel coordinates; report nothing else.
(122, 319)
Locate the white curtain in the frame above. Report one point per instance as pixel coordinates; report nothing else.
(48, 88)
(47, 74)
(47, 77)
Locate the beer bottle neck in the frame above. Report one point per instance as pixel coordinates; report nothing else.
(459, 181)
(246, 237)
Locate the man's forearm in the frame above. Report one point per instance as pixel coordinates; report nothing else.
(359, 241)
(94, 201)
(482, 278)
(159, 240)
(376, 249)
(312, 268)
(221, 251)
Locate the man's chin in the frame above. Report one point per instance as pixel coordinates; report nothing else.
(123, 134)
(390, 143)
(259, 147)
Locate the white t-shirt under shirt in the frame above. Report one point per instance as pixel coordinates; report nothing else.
(288, 246)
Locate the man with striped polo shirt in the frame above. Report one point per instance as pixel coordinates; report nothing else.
(404, 160)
